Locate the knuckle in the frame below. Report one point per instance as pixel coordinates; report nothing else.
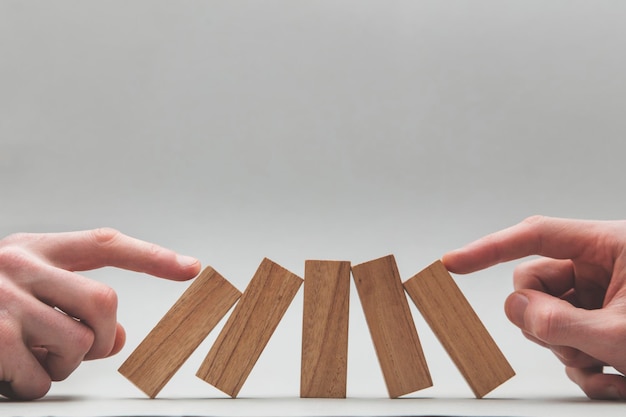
(535, 226)
(547, 326)
(525, 277)
(104, 300)
(14, 258)
(534, 220)
(105, 236)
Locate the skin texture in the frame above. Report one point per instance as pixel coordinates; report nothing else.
(51, 318)
(570, 299)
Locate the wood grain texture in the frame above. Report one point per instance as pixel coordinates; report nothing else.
(325, 329)
(459, 329)
(249, 328)
(188, 322)
(391, 326)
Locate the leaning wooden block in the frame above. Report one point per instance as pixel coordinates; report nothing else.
(325, 329)
(249, 328)
(391, 326)
(188, 322)
(459, 329)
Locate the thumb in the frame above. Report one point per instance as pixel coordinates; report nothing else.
(556, 322)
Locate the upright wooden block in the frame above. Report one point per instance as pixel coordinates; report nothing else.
(391, 326)
(157, 358)
(459, 329)
(249, 328)
(325, 329)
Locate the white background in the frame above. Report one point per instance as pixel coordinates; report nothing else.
(232, 131)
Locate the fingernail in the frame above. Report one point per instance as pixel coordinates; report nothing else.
(517, 304)
(185, 260)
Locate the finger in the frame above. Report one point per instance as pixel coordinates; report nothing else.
(23, 376)
(567, 355)
(583, 285)
(556, 322)
(91, 249)
(65, 339)
(92, 302)
(551, 237)
(36, 386)
(553, 276)
(598, 385)
(574, 358)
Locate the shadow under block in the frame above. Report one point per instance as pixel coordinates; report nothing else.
(391, 326)
(325, 329)
(459, 329)
(247, 331)
(188, 322)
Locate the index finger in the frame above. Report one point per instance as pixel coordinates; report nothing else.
(537, 235)
(91, 249)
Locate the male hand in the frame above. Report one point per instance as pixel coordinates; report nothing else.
(571, 300)
(51, 319)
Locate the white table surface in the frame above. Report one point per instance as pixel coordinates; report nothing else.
(110, 406)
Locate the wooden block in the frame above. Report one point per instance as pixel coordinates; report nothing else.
(459, 329)
(391, 326)
(249, 328)
(325, 329)
(188, 322)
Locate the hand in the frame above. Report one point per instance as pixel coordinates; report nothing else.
(51, 319)
(572, 299)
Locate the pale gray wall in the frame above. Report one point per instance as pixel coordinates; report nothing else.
(295, 130)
